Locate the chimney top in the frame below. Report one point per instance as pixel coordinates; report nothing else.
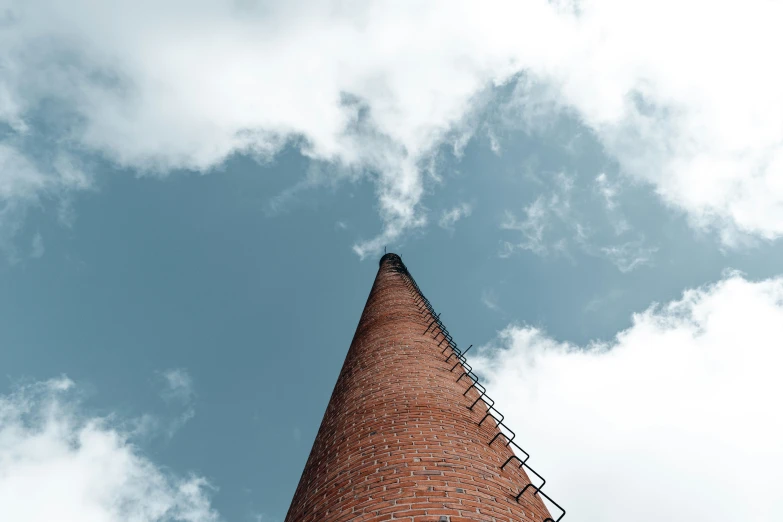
(391, 258)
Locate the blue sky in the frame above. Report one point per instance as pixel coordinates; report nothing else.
(193, 202)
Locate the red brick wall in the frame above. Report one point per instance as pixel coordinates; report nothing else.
(398, 441)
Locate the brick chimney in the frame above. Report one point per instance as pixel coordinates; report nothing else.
(399, 440)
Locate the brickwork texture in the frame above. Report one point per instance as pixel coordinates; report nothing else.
(398, 441)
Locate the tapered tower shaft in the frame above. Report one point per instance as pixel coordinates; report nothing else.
(399, 440)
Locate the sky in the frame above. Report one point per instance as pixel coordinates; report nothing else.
(194, 197)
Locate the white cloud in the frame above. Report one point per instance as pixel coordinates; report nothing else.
(695, 113)
(675, 419)
(450, 217)
(366, 87)
(160, 86)
(57, 463)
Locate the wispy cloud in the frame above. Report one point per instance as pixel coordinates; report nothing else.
(631, 255)
(449, 218)
(531, 226)
(178, 391)
(539, 217)
(494, 142)
(553, 225)
(489, 298)
(37, 247)
(600, 302)
(609, 192)
(24, 183)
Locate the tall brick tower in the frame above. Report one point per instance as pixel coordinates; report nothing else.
(409, 433)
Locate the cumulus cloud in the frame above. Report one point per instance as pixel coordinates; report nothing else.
(694, 113)
(674, 419)
(450, 217)
(186, 84)
(365, 86)
(58, 463)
